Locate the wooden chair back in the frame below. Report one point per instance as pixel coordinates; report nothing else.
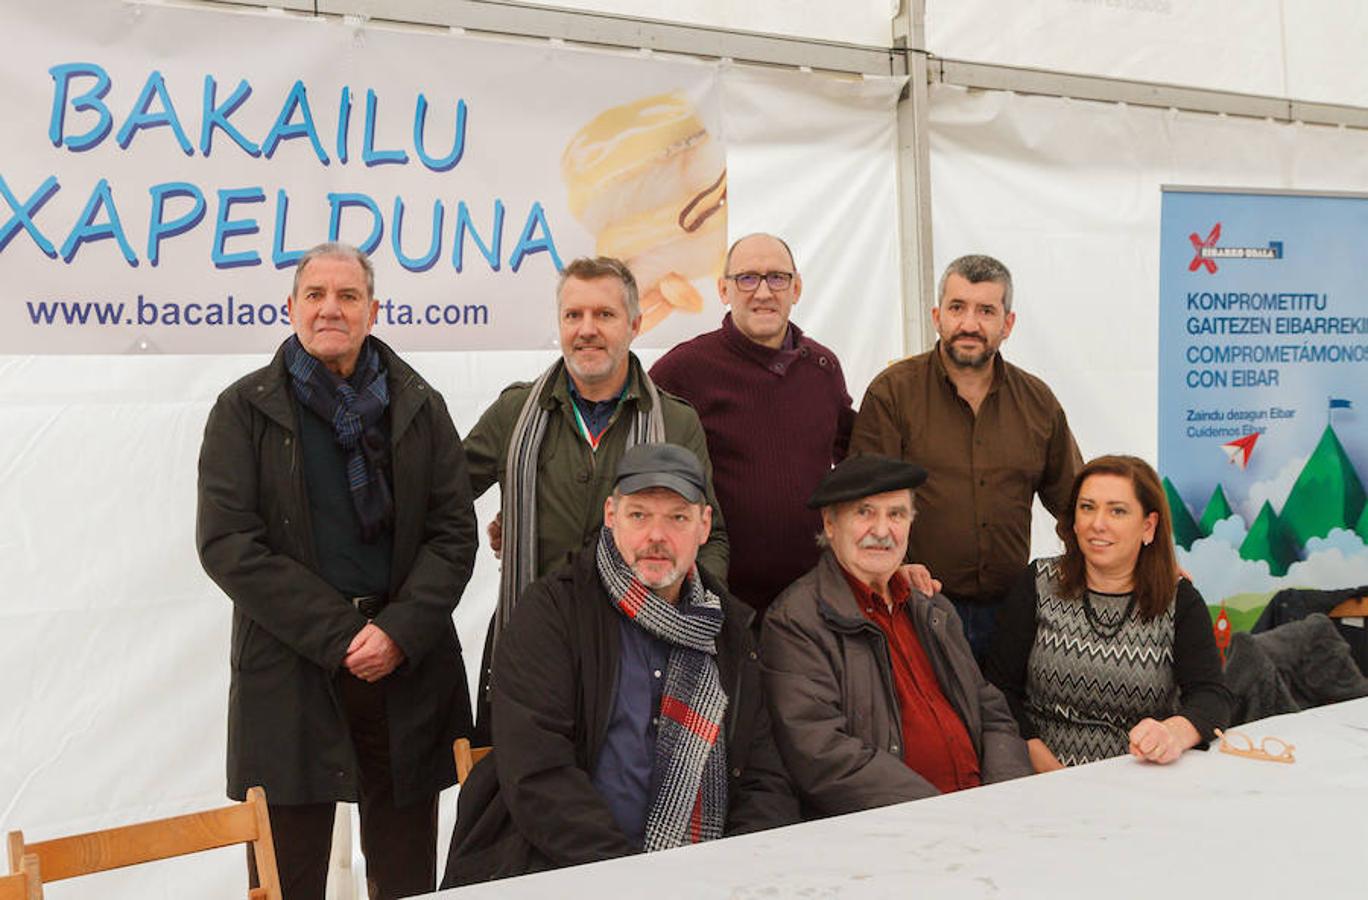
(466, 757)
(24, 883)
(113, 848)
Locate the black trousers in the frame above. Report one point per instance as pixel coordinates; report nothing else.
(400, 844)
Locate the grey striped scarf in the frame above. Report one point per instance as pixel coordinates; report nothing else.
(689, 772)
(520, 563)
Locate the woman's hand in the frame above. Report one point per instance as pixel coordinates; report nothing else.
(1042, 757)
(1162, 742)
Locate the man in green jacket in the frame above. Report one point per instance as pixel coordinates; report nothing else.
(553, 445)
(335, 512)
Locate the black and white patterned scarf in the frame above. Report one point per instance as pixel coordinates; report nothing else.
(356, 417)
(689, 772)
(519, 488)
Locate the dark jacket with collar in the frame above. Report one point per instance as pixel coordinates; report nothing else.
(573, 481)
(291, 629)
(829, 683)
(530, 805)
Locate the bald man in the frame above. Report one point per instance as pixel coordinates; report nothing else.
(775, 408)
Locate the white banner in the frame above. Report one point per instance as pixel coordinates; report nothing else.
(158, 183)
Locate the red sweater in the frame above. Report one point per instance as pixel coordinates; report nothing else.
(776, 420)
(936, 745)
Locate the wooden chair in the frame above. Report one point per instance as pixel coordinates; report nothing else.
(113, 848)
(466, 757)
(24, 884)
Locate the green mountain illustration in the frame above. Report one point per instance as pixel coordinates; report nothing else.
(1362, 525)
(1326, 495)
(1217, 508)
(1270, 541)
(1185, 529)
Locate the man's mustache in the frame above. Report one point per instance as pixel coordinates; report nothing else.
(874, 542)
(657, 551)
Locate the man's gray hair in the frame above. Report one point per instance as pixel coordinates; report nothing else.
(976, 269)
(824, 542)
(588, 268)
(335, 249)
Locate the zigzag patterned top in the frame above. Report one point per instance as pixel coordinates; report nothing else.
(1091, 678)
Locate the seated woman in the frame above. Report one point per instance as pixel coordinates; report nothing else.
(1104, 650)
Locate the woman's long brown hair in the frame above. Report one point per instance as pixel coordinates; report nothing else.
(1156, 570)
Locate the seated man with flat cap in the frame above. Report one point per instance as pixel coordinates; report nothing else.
(874, 692)
(627, 705)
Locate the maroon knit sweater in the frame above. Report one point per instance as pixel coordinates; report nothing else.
(777, 420)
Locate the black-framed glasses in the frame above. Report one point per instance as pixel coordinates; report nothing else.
(750, 281)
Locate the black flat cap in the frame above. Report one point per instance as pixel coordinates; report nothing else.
(864, 476)
(661, 465)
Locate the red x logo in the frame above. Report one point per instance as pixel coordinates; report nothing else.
(1197, 244)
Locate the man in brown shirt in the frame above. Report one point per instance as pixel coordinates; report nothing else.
(990, 434)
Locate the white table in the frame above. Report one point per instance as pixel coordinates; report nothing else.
(1210, 825)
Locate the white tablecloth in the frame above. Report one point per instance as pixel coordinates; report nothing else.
(1211, 825)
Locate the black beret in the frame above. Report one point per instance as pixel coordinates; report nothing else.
(864, 476)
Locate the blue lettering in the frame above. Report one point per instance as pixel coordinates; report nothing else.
(463, 225)
(90, 100)
(528, 245)
(369, 155)
(87, 229)
(283, 129)
(217, 117)
(343, 124)
(157, 228)
(225, 227)
(458, 147)
(24, 212)
(338, 202)
(140, 115)
(280, 257)
(427, 260)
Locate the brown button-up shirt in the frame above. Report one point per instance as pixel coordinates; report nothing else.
(973, 525)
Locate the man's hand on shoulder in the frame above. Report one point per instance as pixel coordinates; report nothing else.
(921, 579)
(495, 532)
(372, 655)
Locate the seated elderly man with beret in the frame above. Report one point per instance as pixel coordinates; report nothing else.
(874, 693)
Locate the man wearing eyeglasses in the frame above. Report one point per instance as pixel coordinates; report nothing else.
(774, 404)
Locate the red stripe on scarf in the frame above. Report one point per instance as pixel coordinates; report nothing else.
(676, 709)
(696, 820)
(634, 599)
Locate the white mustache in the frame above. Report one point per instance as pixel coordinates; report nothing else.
(874, 542)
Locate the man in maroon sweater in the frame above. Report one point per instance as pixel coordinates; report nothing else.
(774, 405)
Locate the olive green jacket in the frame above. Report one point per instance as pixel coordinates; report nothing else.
(573, 480)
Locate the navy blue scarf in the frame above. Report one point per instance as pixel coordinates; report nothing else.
(356, 417)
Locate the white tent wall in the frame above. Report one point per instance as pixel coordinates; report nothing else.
(113, 643)
(849, 21)
(1302, 49)
(1067, 194)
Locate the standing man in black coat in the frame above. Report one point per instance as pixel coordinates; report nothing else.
(335, 512)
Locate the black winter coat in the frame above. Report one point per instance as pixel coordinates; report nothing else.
(291, 629)
(530, 805)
